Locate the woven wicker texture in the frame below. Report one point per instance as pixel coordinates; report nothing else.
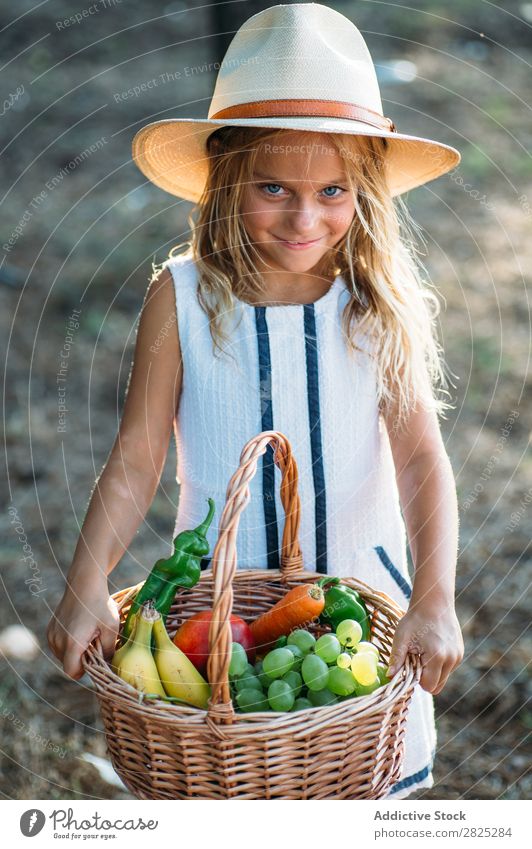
(350, 750)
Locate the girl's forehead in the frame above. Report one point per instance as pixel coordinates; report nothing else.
(299, 159)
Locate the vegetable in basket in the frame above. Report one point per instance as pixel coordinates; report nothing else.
(181, 569)
(298, 607)
(343, 602)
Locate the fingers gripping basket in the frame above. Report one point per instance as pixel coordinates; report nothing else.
(350, 750)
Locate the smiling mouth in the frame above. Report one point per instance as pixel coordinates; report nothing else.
(309, 242)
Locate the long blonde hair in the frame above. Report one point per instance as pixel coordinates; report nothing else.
(376, 258)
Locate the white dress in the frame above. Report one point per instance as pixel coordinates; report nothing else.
(290, 371)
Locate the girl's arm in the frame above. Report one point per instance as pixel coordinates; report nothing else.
(127, 484)
(427, 493)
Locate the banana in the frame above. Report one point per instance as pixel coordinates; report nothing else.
(179, 676)
(134, 662)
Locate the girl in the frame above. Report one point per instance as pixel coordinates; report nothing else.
(297, 307)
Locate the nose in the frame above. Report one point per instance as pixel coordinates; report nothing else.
(303, 216)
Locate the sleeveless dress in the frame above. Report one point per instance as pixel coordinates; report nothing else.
(290, 370)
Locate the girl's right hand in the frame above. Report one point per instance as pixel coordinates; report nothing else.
(79, 618)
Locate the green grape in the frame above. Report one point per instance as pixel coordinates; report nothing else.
(382, 672)
(364, 667)
(344, 660)
(264, 679)
(247, 682)
(304, 640)
(280, 696)
(239, 660)
(341, 681)
(278, 662)
(365, 690)
(368, 647)
(280, 642)
(321, 698)
(328, 648)
(298, 654)
(251, 700)
(349, 632)
(302, 704)
(315, 672)
(295, 681)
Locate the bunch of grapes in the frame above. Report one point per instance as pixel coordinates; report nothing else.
(304, 672)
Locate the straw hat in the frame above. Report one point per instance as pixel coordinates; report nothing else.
(304, 67)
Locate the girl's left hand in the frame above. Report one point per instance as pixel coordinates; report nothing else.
(434, 633)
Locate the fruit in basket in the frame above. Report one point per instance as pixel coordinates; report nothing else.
(382, 672)
(302, 703)
(328, 648)
(303, 639)
(298, 656)
(193, 638)
(343, 602)
(277, 663)
(247, 681)
(344, 660)
(295, 681)
(281, 696)
(299, 606)
(321, 698)
(364, 668)
(341, 681)
(349, 632)
(181, 569)
(366, 690)
(178, 675)
(252, 700)
(239, 660)
(369, 647)
(302, 672)
(134, 662)
(315, 672)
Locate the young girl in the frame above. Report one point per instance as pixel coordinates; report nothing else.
(297, 307)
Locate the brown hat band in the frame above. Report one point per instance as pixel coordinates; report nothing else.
(306, 109)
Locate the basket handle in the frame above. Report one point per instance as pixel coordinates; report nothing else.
(224, 558)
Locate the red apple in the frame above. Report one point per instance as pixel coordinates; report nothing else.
(193, 638)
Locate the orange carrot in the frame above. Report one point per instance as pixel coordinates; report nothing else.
(294, 610)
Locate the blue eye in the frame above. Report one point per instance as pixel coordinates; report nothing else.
(277, 186)
(267, 186)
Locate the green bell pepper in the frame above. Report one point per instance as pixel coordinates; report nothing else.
(181, 569)
(343, 602)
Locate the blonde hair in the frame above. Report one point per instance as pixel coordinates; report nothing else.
(376, 258)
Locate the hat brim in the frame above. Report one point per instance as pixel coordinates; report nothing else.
(172, 153)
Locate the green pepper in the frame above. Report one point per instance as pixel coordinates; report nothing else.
(343, 602)
(181, 569)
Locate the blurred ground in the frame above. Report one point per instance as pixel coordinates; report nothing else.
(88, 233)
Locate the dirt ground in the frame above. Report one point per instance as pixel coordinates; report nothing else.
(81, 234)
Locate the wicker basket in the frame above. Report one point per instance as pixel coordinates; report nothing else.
(350, 750)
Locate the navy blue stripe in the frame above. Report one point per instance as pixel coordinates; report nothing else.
(268, 466)
(411, 779)
(394, 572)
(313, 395)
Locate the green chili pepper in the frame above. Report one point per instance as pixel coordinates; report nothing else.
(343, 602)
(181, 569)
